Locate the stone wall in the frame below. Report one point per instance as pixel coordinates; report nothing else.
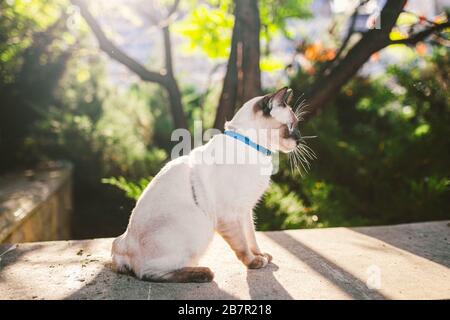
(36, 205)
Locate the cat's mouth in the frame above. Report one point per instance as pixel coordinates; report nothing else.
(288, 145)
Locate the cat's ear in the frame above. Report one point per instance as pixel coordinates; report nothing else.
(267, 105)
(282, 97)
(264, 105)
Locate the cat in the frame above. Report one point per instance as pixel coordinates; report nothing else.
(196, 195)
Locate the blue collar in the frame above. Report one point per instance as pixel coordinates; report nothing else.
(248, 142)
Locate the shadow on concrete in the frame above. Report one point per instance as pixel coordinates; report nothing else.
(108, 285)
(189, 291)
(262, 284)
(348, 283)
(11, 254)
(428, 240)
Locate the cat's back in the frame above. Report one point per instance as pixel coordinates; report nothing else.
(170, 182)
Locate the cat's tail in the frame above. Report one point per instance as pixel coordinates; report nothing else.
(120, 255)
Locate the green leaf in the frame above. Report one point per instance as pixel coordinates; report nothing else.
(422, 130)
(270, 64)
(207, 29)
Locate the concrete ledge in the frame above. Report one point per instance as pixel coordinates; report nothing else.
(394, 262)
(36, 205)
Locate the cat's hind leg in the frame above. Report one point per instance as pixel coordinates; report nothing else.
(172, 255)
(120, 258)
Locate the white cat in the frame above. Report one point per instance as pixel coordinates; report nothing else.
(214, 188)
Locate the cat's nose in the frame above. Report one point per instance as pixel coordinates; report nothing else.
(292, 125)
(295, 134)
(291, 128)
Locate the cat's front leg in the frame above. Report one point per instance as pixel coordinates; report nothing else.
(251, 237)
(234, 232)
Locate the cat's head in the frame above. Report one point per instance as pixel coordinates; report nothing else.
(269, 120)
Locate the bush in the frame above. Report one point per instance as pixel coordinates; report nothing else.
(383, 154)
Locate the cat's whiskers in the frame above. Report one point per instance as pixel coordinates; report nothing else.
(300, 110)
(303, 162)
(308, 151)
(298, 101)
(300, 157)
(290, 162)
(297, 162)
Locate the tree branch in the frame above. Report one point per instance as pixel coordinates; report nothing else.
(166, 79)
(114, 52)
(422, 35)
(173, 8)
(351, 30)
(167, 51)
(326, 88)
(158, 18)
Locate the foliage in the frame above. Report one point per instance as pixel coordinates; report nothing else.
(208, 27)
(382, 153)
(383, 146)
(116, 127)
(104, 133)
(132, 189)
(32, 61)
(375, 163)
(276, 13)
(56, 104)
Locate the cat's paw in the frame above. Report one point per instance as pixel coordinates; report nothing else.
(265, 254)
(258, 262)
(268, 256)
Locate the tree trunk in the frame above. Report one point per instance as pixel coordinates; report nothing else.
(176, 106)
(243, 76)
(171, 85)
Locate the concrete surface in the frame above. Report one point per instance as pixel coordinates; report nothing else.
(395, 262)
(36, 205)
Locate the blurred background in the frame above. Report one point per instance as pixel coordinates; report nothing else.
(103, 84)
